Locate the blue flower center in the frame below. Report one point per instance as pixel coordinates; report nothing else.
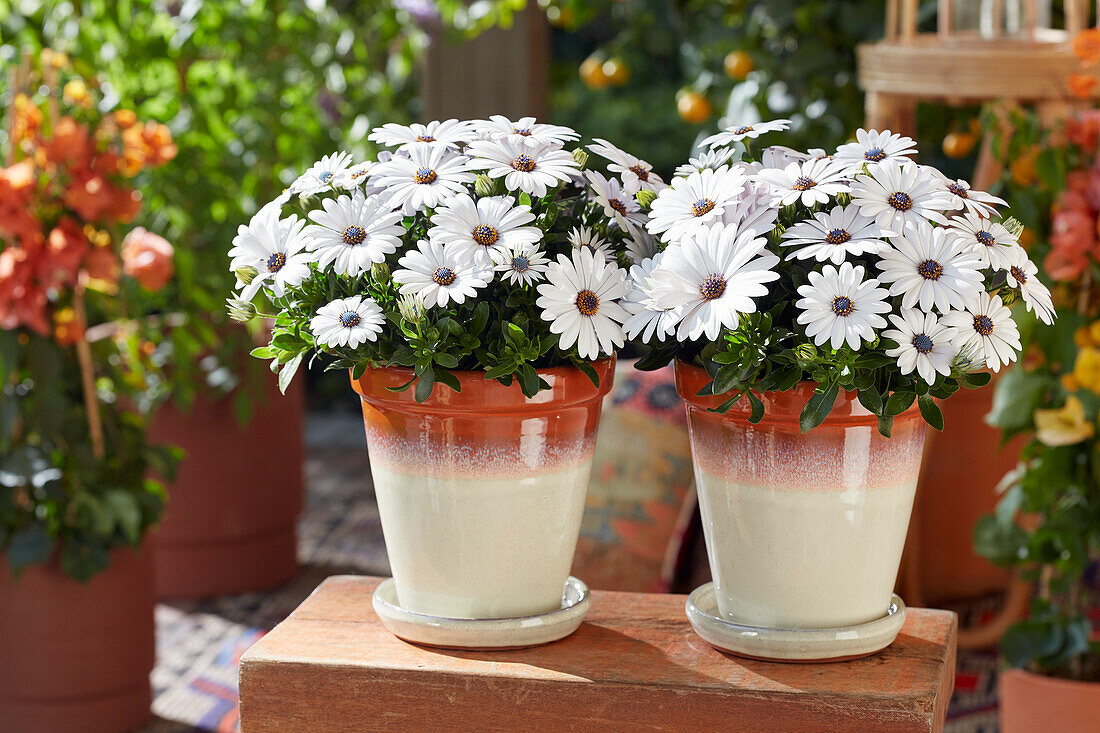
(985, 238)
(425, 139)
(930, 270)
(958, 190)
(354, 235)
(443, 276)
(523, 163)
(804, 184)
(922, 343)
(587, 303)
(900, 200)
(1019, 274)
(425, 176)
(276, 262)
(842, 306)
(485, 235)
(743, 130)
(324, 176)
(702, 206)
(617, 205)
(983, 325)
(521, 263)
(350, 319)
(524, 131)
(874, 154)
(712, 287)
(838, 236)
(640, 171)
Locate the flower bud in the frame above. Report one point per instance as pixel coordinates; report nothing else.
(246, 274)
(380, 272)
(1014, 226)
(1008, 296)
(240, 310)
(581, 156)
(483, 185)
(645, 198)
(411, 307)
(806, 352)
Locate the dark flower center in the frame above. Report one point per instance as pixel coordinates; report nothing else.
(930, 270)
(1019, 274)
(702, 206)
(425, 175)
(874, 154)
(838, 236)
(485, 235)
(324, 176)
(425, 138)
(523, 163)
(712, 287)
(587, 303)
(842, 306)
(743, 130)
(983, 325)
(276, 262)
(922, 343)
(640, 171)
(958, 190)
(900, 201)
(522, 131)
(350, 319)
(618, 206)
(985, 238)
(354, 235)
(521, 263)
(443, 276)
(804, 184)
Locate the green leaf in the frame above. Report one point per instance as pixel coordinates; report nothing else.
(82, 558)
(756, 406)
(286, 374)
(264, 352)
(589, 371)
(818, 407)
(425, 381)
(126, 512)
(1017, 395)
(899, 402)
(871, 399)
(885, 425)
(931, 411)
(999, 542)
(445, 377)
(445, 360)
(29, 546)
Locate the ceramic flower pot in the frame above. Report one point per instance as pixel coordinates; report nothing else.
(1032, 702)
(803, 531)
(76, 656)
(481, 491)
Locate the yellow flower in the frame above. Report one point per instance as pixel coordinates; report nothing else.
(1064, 426)
(1087, 369)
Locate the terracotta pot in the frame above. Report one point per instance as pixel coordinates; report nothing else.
(481, 491)
(962, 467)
(802, 531)
(74, 656)
(1032, 702)
(230, 523)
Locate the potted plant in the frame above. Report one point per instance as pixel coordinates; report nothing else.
(76, 593)
(817, 307)
(470, 281)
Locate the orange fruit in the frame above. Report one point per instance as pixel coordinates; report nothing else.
(958, 144)
(616, 71)
(738, 64)
(692, 107)
(592, 75)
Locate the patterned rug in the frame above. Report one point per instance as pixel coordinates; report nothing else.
(199, 645)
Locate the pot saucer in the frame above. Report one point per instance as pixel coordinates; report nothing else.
(487, 633)
(791, 645)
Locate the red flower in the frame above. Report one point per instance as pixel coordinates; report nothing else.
(63, 255)
(69, 144)
(147, 258)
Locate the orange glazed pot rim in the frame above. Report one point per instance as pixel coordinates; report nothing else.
(568, 385)
(780, 408)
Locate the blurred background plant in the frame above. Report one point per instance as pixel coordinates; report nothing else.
(74, 462)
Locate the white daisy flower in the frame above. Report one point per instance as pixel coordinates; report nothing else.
(711, 159)
(924, 344)
(693, 203)
(525, 128)
(439, 275)
(753, 209)
(528, 167)
(900, 195)
(839, 306)
(347, 322)
(872, 146)
(811, 182)
(647, 318)
(616, 203)
(493, 224)
(640, 244)
(736, 133)
(521, 265)
(637, 174)
(590, 239)
(580, 302)
(930, 267)
(353, 232)
(961, 196)
(986, 331)
(834, 235)
(1023, 274)
(322, 175)
(714, 276)
(274, 247)
(780, 156)
(994, 245)
(430, 175)
(352, 177)
(448, 133)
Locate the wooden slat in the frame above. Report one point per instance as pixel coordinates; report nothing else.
(634, 664)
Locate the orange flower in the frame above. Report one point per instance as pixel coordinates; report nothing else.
(1023, 168)
(69, 144)
(124, 118)
(103, 264)
(65, 249)
(147, 258)
(1086, 46)
(89, 195)
(125, 203)
(1081, 85)
(27, 118)
(1083, 129)
(16, 187)
(66, 329)
(22, 302)
(76, 92)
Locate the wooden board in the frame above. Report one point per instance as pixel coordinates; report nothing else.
(635, 664)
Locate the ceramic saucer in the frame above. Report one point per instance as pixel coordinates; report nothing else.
(489, 633)
(791, 645)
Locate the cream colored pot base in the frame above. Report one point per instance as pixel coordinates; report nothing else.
(485, 634)
(791, 645)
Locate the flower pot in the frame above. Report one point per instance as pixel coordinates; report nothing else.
(803, 531)
(75, 656)
(1032, 702)
(229, 526)
(481, 491)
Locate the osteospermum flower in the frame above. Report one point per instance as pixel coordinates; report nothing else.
(430, 175)
(647, 318)
(347, 322)
(711, 159)
(525, 128)
(695, 202)
(872, 146)
(900, 195)
(322, 175)
(493, 224)
(521, 265)
(714, 276)
(930, 267)
(811, 181)
(1022, 273)
(616, 203)
(439, 275)
(274, 248)
(449, 133)
(924, 344)
(353, 232)
(839, 306)
(833, 235)
(637, 174)
(736, 133)
(640, 244)
(993, 244)
(580, 301)
(590, 239)
(962, 196)
(753, 209)
(352, 177)
(985, 331)
(529, 167)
